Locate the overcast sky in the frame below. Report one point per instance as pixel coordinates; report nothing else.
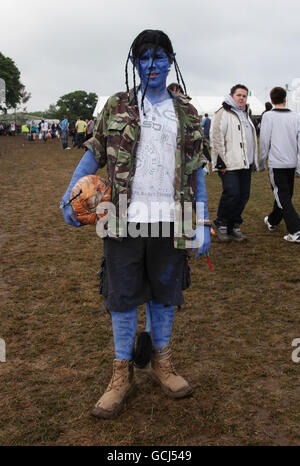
(62, 46)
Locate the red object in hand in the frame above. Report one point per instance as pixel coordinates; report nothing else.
(209, 261)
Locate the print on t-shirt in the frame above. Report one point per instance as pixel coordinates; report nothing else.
(153, 184)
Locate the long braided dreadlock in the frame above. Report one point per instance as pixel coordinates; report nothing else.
(154, 39)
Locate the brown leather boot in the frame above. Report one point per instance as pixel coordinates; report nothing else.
(163, 372)
(121, 385)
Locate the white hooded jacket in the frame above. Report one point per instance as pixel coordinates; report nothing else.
(228, 140)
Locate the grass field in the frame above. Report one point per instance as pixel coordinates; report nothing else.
(232, 340)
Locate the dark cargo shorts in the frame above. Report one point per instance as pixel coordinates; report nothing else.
(134, 271)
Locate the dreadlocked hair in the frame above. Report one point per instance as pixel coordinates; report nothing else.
(154, 39)
(179, 76)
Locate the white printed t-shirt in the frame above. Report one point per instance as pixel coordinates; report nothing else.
(152, 192)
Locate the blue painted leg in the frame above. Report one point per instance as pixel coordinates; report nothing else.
(161, 321)
(124, 329)
(148, 318)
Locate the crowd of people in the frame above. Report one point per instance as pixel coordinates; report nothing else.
(41, 130)
(79, 131)
(9, 129)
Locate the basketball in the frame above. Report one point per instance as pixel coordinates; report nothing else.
(85, 197)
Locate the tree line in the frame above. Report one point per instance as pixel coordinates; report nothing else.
(74, 104)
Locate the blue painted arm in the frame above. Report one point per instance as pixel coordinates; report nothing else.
(88, 165)
(202, 236)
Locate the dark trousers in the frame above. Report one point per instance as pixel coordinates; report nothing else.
(81, 138)
(65, 139)
(75, 139)
(235, 195)
(282, 183)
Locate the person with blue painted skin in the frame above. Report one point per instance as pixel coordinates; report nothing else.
(151, 141)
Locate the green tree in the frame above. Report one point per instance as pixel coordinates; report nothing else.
(75, 104)
(25, 96)
(51, 112)
(11, 75)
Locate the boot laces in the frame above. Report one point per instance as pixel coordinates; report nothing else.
(165, 362)
(117, 380)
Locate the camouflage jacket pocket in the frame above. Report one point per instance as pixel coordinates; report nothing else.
(116, 125)
(115, 142)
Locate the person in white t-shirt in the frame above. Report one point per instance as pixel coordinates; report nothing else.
(44, 129)
(12, 128)
(151, 141)
(280, 144)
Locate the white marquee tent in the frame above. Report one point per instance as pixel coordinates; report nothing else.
(210, 104)
(203, 104)
(100, 104)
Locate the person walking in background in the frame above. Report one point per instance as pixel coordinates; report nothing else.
(34, 131)
(12, 128)
(53, 130)
(206, 122)
(234, 155)
(268, 107)
(25, 130)
(89, 129)
(280, 144)
(64, 126)
(80, 128)
(44, 129)
(175, 88)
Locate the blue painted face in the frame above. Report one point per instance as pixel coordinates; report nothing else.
(160, 68)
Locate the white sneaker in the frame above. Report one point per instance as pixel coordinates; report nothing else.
(293, 238)
(270, 227)
(67, 148)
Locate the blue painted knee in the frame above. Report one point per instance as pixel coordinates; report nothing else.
(124, 329)
(161, 323)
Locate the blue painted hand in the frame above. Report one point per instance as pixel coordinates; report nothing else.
(202, 234)
(69, 216)
(87, 166)
(201, 240)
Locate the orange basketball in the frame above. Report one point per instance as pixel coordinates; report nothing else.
(85, 197)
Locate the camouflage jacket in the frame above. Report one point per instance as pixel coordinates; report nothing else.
(116, 137)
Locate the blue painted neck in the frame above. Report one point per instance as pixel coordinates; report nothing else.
(156, 95)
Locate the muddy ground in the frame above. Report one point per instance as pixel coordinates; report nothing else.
(232, 340)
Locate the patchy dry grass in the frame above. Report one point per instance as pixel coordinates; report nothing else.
(232, 340)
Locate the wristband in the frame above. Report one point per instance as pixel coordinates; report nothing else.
(204, 221)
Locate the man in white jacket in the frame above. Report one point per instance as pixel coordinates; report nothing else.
(280, 143)
(234, 156)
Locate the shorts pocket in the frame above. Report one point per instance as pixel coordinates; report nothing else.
(186, 273)
(103, 286)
